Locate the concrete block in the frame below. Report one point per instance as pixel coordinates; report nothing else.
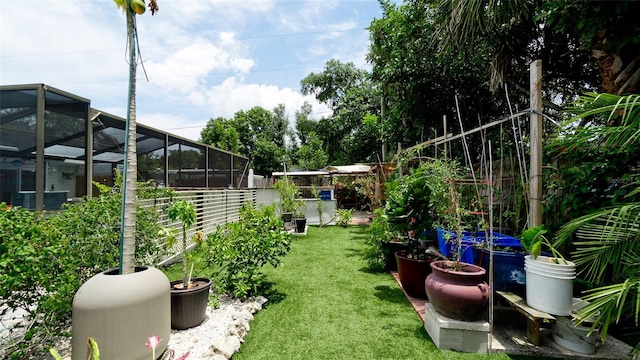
(450, 334)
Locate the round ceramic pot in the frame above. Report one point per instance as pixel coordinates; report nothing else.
(461, 295)
(412, 274)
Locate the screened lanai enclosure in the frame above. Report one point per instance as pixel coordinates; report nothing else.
(54, 145)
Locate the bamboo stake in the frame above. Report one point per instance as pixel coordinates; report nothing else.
(535, 190)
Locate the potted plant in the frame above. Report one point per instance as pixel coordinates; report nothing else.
(136, 316)
(381, 243)
(288, 193)
(189, 296)
(319, 205)
(549, 286)
(456, 289)
(299, 214)
(408, 210)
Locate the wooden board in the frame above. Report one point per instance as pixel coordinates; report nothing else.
(535, 318)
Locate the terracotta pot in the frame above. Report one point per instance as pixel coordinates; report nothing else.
(412, 273)
(189, 306)
(461, 295)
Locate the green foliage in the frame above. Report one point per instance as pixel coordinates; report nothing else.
(532, 240)
(597, 161)
(319, 204)
(220, 133)
(312, 156)
(242, 248)
(343, 217)
(45, 258)
(378, 232)
(606, 237)
(185, 212)
(352, 96)
(289, 193)
(256, 133)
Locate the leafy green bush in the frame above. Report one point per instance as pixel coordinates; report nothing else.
(44, 258)
(239, 250)
(378, 232)
(344, 217)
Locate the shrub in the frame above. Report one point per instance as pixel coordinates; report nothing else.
(239, 250)
(44, 258)
(344, 217)
(378, 232)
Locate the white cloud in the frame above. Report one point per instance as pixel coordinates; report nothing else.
(230, 96)
(201, 56)
(184, 69)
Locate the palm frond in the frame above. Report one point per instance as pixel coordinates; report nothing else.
(603, 239)
(609, 304)
(620, 114)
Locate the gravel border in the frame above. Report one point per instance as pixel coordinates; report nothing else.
(218, 337)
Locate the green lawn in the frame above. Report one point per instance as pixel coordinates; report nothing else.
(325, 304)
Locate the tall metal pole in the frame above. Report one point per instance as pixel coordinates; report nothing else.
(535, 189)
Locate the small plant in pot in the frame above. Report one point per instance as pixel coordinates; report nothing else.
(288, 193)
(549, 284)
(189, 296)
(299, 215)
(382, 243)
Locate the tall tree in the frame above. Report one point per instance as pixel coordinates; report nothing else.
(253, 133)
(221, 133)
(311, 156)
(128, 227)
(304, 123)
(351, 94)
(420, 83)
(580, 42)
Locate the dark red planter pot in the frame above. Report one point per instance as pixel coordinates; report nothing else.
(189, 307)
(461, 295)
(412, 273)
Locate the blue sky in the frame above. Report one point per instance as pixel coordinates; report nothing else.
(204, 58)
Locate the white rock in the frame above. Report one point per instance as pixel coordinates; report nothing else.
(226, 346)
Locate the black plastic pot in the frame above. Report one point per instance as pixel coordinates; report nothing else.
(287, 217)
(389, 249)
(301, 224)
(189, 306)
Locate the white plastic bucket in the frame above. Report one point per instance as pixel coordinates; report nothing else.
(549, 286)
(548, 263)
(573, 337)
